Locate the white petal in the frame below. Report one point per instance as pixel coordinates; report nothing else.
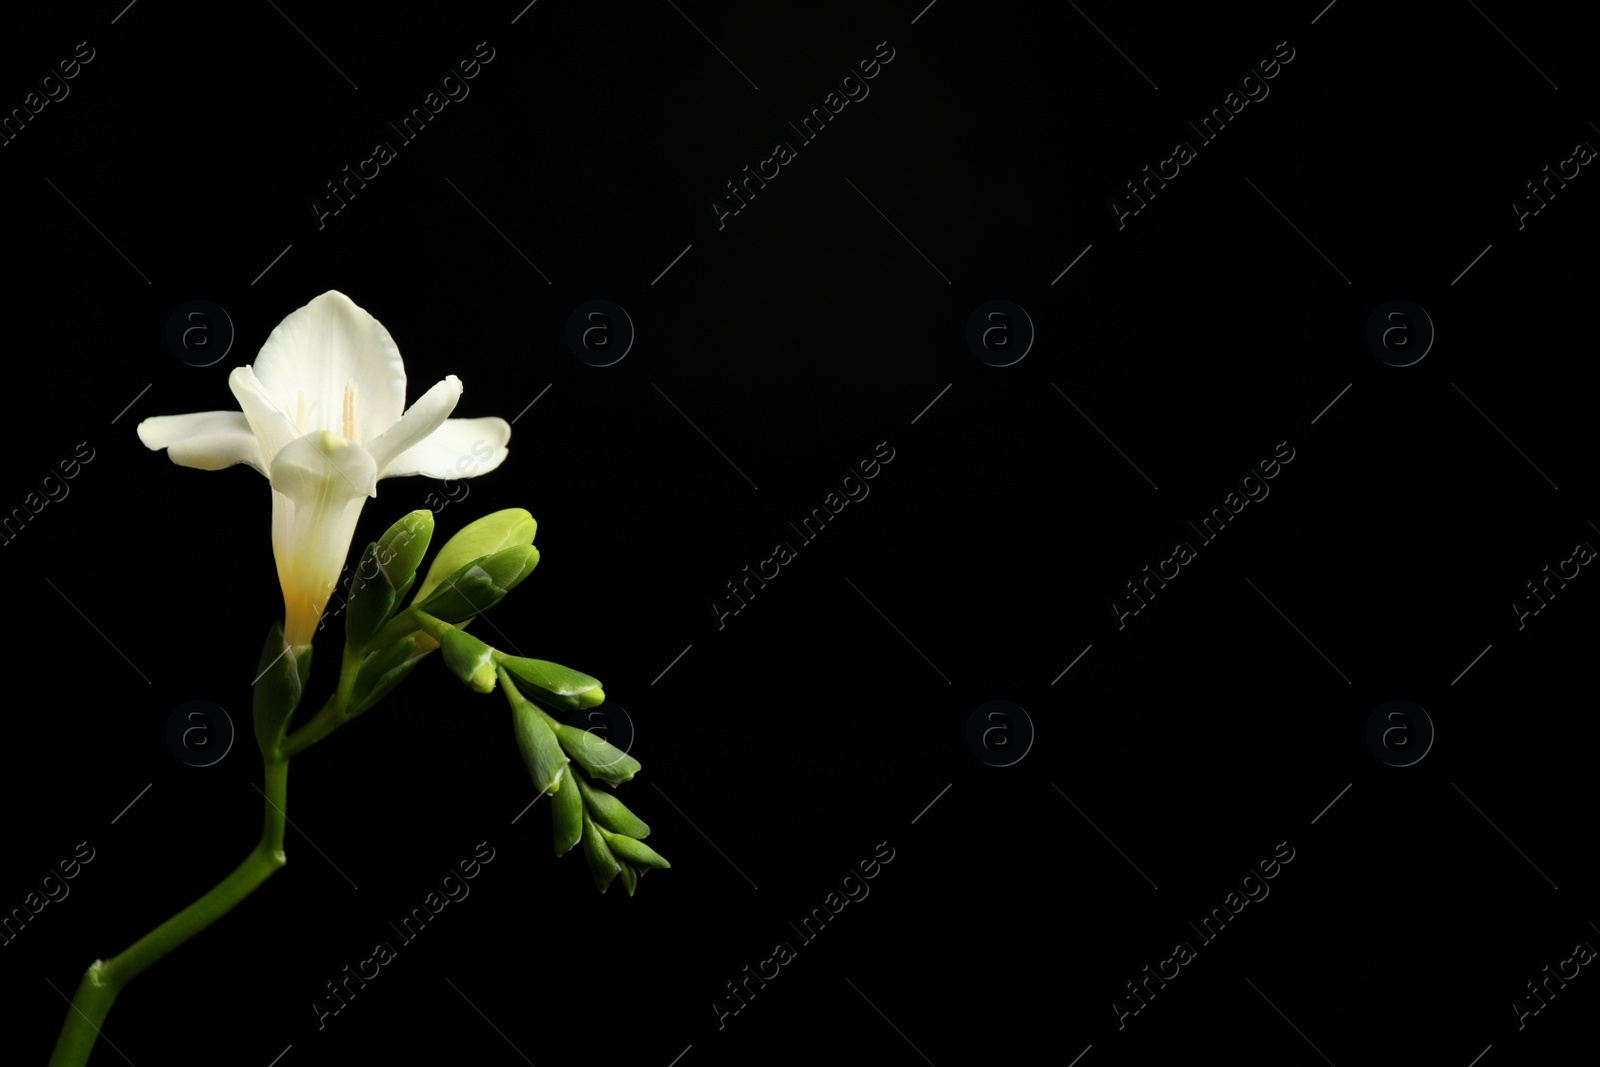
(332, 366)
(415, 426)
(268, 422)
(209, 440)
(460, 448)
(319, 482)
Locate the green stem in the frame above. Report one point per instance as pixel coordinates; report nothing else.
(332, 714)
(320, 725)
(106, 978)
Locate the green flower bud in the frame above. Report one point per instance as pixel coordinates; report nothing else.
(610, 812)
(381, 671)
(386, 571)
(467, 657)
(596, 755)
(552, 684)
(470, 659)
(402, 546)
(537, 741)
(602, 864)
(631, 851)
(566, 818)
(280, 680)
(372, 599)
(480, 584)
(485, 537)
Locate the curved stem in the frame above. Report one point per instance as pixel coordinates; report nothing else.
(334, 713)
(106, 978)
(328, 719)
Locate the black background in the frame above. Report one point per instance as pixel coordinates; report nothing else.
(825, 717)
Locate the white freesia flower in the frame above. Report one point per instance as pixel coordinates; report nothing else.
(322, 419)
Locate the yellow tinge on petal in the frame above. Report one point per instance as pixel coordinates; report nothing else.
(319, 483)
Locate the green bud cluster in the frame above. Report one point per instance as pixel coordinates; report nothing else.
(612, 836)
(383, 641)
(471, 574)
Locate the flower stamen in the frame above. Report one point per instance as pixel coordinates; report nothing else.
(350, 412)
